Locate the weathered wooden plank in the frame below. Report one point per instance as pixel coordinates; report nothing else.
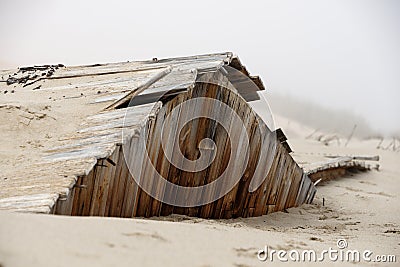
(294, 188)
(264, 189)
(174, 173)
(219, 135)
(130, 188)
(72, 201)
(237, 132)
(113, 160)
(278, 175)
(286, 185)
(114, 193)
(242, 195)
(304, 190)
(248, 120)
(300, 190)
(163, 72)
(97, 189)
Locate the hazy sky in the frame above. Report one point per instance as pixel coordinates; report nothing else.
(338, 53)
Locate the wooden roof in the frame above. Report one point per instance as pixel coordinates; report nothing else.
(56, 130)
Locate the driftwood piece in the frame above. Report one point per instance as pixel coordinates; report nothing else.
(339, 166)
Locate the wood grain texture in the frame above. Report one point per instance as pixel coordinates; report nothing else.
(114, 192)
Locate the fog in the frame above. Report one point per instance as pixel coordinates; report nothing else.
(338, 55)
(324, 119)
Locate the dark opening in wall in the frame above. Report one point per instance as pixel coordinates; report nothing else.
(163, 96)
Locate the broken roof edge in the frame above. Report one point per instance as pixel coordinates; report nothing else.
(154, 60)
(231, 60)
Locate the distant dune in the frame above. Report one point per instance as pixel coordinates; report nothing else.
(324, 119)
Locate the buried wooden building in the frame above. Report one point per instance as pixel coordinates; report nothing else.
(107, 141)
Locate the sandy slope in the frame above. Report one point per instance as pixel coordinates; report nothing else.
(362, 208)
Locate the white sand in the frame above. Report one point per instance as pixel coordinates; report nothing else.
(362, 208)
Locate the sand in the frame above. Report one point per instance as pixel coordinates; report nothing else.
(35, 121)
(361, 208)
